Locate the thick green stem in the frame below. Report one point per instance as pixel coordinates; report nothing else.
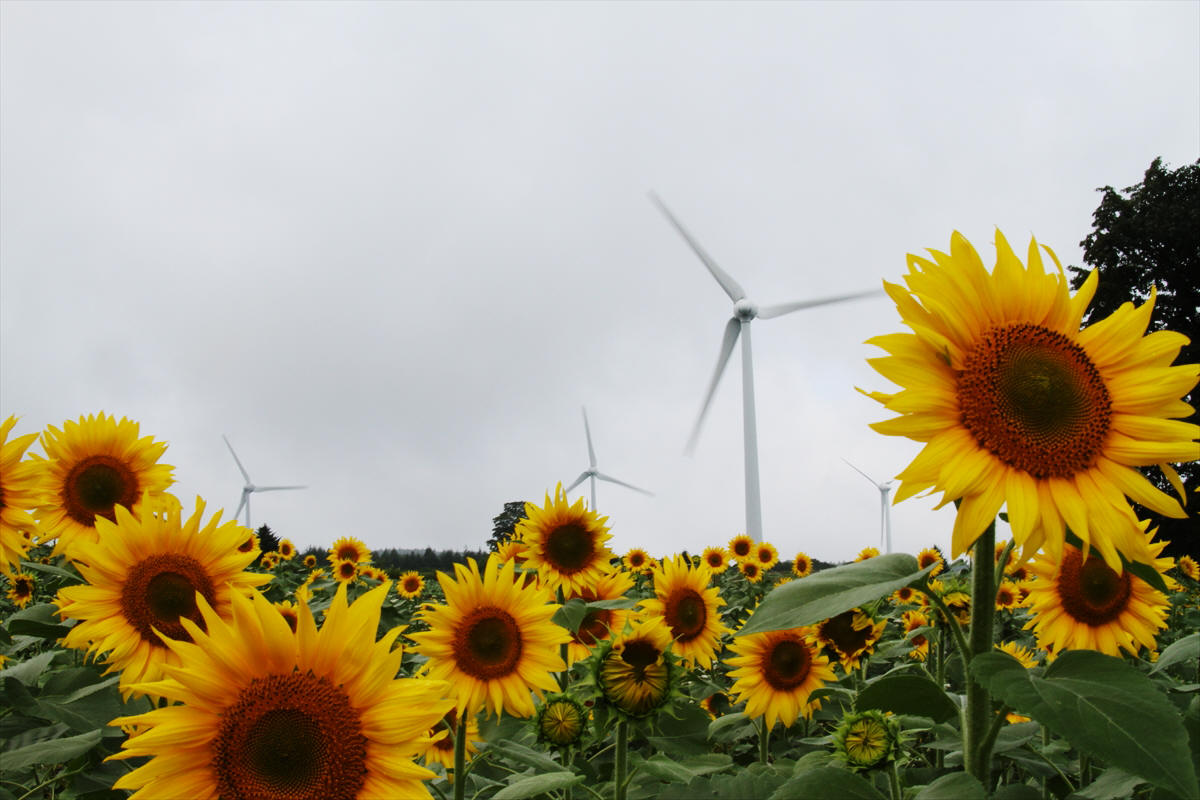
(764, 740)
(460, 760)
(960, 640)
(621, 768)
(894, 781)
(977, 714)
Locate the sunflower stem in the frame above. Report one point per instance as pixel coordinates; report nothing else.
(460, 761)
(894, 781)
(956, 631)
(977, 714)
(622, 760)
(1001, 564)
(764, 741)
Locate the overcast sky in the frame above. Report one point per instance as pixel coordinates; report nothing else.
(390, 249)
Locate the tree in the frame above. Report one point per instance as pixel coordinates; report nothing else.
(267, 540)
(505, 523)
(1149, 235)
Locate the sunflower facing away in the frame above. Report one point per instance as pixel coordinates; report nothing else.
(1017, 405)
(1187, 566)
(690, 609)
(599, 623)
(775, 673)
(143, 577)
(493, 639)
(635, 672)
(314, 714)
(92, 466)
(564, 542)
(20, 485)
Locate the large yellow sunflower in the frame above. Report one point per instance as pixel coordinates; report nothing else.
(690, 608)
(143, 577)
(599, 623)
(565, 543)
(267, 712)
(493, 639)
(636, 671)
(775, 673)
(1017, 405)
(20, 487)
(93, 466)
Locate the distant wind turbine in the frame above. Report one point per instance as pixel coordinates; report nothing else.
(744, 311)
(885, 511)
(593, 473)
(250, 488)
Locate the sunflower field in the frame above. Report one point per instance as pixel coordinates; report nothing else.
(151, 649)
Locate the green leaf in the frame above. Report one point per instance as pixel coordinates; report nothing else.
(1017, 791)
(1113, 784)
(615, 602)
(52, 751)
(827, 782)
(571, 614)
(828, 593)
(906, 693)
(1103, 707)
(730, 727)
(664, 769)
(1186, 650)
(27, 672)
(955, 786)
(50, 569)
(537, 784)
(525, 755)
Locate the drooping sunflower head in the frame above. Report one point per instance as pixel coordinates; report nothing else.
(1188, 567)
(1017, 405)
(775, 672)
(347, 548)
(716, 559)
(21, 487)
(263, 711)
(1083, 604)
(802, 565)
(689, 607)
(511, 550)
(438, 748)
(493, 639)
(751, 571)
(93, 466)
(867, 740)
(932, 556)
(1023, 654)
(850, 636)
(410, 585)
(144, 577)
(741, 547)
(599, 623)
(636, 671)
(561, 721)
(564, 542)
(20, 588)
(766, 555)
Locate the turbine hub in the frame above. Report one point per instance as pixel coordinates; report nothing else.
(745, 309)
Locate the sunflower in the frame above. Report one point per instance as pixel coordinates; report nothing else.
(310, 561)
(143, 577)
(716, 559)
(599, 623)
(766, 555)
(636, 559)
(493, 639)
(913, 621)
(802, 565)
(775, 673)
(250, 543)
(1187, 566)
(410, 585)
(867, 739)
(373, 572)
(1008, 596)
(690, 608)
(1017, 405)
(1023, 654)
(345, 571)
(287, 550)
(904, 595)
(751, 571)
(959, 604)
(438, 746)
(850, 636)
(636, 670)
(20, 487)
(867, 552)
(287, 609)
(717, 704)
(20, 590)
(511, 550)
(1083, 604)
(565, 543)
(931, 555)
(741, 547)
(561, 721)
(268, 712)
(91, 467)
(269, 560)
(348, 548)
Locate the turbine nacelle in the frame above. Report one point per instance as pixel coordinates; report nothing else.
(745, 309)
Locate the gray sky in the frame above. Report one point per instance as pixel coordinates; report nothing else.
(391, 248)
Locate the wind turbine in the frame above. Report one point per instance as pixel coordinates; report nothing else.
(593, 473)
(885, 511)
(744, 312)
(250, 488)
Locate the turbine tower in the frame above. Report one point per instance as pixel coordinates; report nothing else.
(744, 312)
(885, 511)
(250, 488)
(593, 473)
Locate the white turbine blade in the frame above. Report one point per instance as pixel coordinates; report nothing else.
(275, 488)
(579, 480)
(767, 312)
(241, 505)
(732, 329)
(588, 431)
(730, 286)
(860, 472)
(610, 479)
(236, 460)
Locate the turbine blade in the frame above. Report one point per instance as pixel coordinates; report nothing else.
(732, 329)
(865, 475)
(768, 312)
(731, 287)
(275, 488)
(241, 505)
(611, 479)
(236, 460)
(588, 431)
(578, 480)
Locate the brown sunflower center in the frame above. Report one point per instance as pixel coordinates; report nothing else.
(595, 627)
(23, 587)
(1091, 591)
(741, 548)
(640, 654)
(347, 570)
(841, 633)
(570, 548)
(448, 723)
(685, 613)
(1034, 399)
(293, 737)
(95, 485)
(637, 560)
(347, 552)
(412, 585)
(487, 643)
(161, 590)
(765, 555)
(715, 560)
(787, 664)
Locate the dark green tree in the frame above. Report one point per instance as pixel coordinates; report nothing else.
(1148, 235)
(267, 540)
(505, 523)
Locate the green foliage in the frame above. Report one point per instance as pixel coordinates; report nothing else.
(504, 523)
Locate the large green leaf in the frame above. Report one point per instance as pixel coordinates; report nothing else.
(537, 784)
(830, 592)
(1185, 651)
(28, 672)
(1114, 784)
(955, 786)
(1103, 707)
(525, 755)
(664, 769)
(906, 693)
(827, 782)
(52, 751)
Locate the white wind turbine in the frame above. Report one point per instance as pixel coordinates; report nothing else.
(885, 510)
(744, 311)
(593, 473)
(250, 488)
